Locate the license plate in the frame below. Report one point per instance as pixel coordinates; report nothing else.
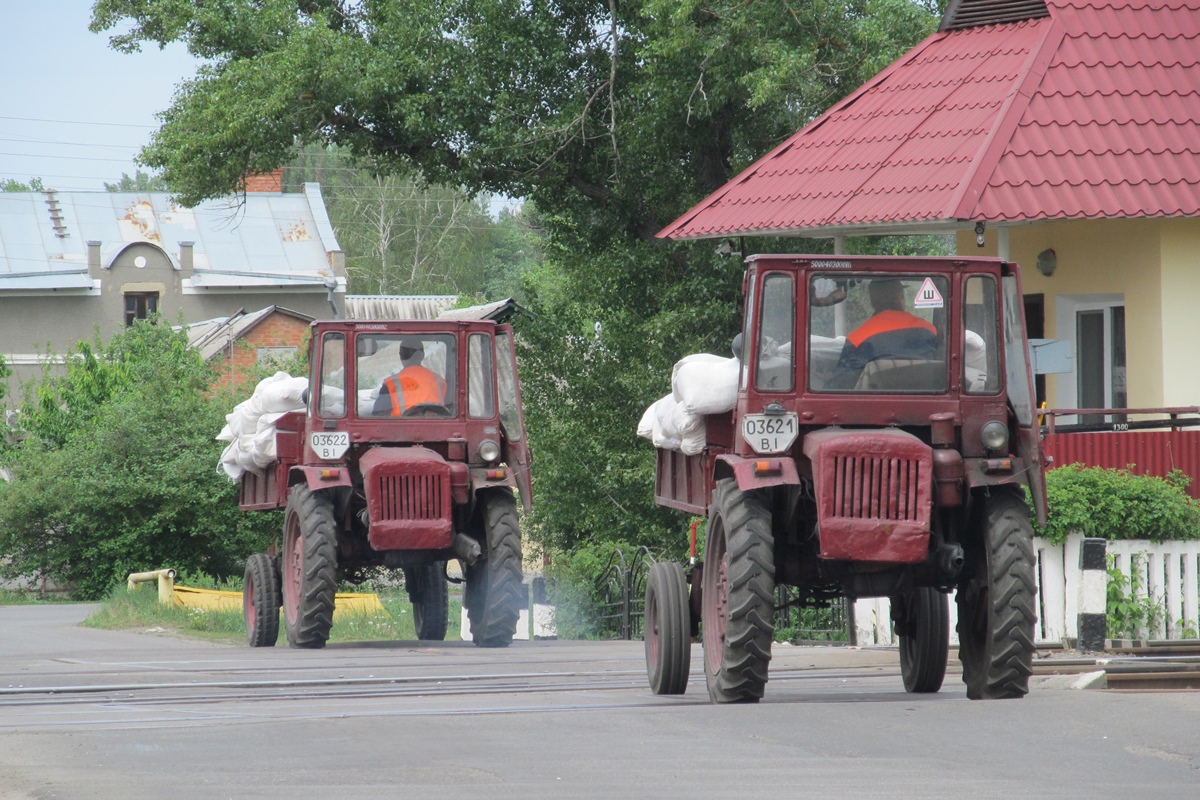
(770, 433)
(330, 446)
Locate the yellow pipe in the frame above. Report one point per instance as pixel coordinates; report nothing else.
(166, 583)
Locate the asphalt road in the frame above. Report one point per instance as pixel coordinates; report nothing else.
(102, 714)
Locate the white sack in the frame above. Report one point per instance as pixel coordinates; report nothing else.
(706, 384)
(659, 434)
(645, 427)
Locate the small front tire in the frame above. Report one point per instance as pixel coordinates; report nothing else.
(261, 600)
(667, 635)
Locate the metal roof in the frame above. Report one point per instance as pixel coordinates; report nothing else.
(273, 239)
(1091, 112)
(499, 311)
(426, 306)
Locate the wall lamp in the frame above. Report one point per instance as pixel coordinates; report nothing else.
(979, 228)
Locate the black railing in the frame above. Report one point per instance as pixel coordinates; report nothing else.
(621, 590)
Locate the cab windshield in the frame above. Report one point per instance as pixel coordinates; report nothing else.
(406, 375)
(877, 333)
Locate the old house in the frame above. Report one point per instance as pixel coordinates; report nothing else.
(73, 264)
(1060, 134)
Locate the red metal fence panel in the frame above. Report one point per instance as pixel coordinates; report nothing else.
(1142, 452)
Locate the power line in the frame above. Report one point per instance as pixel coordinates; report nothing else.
(80, 122)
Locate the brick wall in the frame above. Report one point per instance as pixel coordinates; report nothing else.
(235, 374)
(265, 182)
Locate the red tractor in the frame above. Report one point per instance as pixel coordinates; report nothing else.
(407, 455)
(882, 443)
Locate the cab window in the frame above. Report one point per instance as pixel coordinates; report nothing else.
(331, 403)
(981, 340)
(407, 375)
(777, 321)
(877, 333)
(481, 399)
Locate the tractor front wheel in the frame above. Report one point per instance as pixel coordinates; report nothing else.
(667, 635)
(923, 623)
(738, 597)
(996, 601)
(430, 601)
(261, 601)
(309, 568)
(494, 594)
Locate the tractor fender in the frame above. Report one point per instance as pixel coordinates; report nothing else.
(757, 473)
(318, 478)
(491, 478)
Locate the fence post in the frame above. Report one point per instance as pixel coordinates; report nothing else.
(1093, 595)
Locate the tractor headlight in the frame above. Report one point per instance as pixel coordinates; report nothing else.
(489, 451)
(995, 436)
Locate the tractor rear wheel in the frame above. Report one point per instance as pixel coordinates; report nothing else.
(430, 601)
(924, 628)
(309, 568)
(667, 635)
(494, 594)
(996, 602)
(261, 601)
(738, 596)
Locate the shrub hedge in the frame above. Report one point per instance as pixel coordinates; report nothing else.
(1116, 504)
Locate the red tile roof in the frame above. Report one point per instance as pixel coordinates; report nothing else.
(1091, 112)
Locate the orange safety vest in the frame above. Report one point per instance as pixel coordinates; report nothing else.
(415, 385)
(886, 322)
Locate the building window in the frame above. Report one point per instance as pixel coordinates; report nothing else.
(1096, 325)
(140, 305)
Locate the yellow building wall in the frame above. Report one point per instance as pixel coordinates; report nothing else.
(1180, 308)
(1120, 257)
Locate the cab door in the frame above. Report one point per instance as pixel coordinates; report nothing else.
(512, 420)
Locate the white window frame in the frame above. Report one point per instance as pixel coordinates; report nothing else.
(1067, 308)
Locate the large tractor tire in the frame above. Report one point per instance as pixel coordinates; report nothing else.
(923, 624)
(738, 597)
(667, 635)
(494, 594)
(430, 597)
(261, 600)
(309, 568)
(997, 601)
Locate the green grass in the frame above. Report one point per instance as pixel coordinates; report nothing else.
(20, 597)
(140, 610)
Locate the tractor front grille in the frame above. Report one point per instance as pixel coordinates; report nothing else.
(413, 496)
(874, 487)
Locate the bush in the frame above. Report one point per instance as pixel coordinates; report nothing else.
(1116, 504)
(117, 471)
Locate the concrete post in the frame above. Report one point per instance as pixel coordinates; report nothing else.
(1093, 595)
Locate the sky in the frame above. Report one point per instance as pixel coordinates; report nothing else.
(75, 112)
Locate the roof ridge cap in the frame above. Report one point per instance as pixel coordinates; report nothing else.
(966, 198)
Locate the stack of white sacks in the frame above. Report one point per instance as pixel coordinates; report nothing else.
(250, 429)
(700, 384)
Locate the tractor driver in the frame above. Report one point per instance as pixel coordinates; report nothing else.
(413, 385)
(891, 332)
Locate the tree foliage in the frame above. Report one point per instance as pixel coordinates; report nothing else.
(611, 119)
(400, 236)
(116, 470)
(13, 185)
(137, 182)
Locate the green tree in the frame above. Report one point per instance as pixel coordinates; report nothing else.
(138, 182)
(399, 235)
(612, 119)
(12, 185)
(116, 472)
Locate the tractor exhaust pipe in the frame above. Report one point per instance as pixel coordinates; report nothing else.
(950, 560)
(467, 549)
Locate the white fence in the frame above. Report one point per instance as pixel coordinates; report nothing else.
(1166, 574)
